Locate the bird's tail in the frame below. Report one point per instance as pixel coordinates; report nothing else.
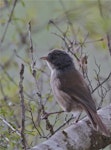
(97, 122)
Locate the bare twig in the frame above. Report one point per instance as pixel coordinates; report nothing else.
(30, 38)
(49, 126)
(22, 107)
(46, 115)
(101, 92)
(69, 20)
(11, 79)
(33, 63)
(63, 125)
(108, 33)
(100, 8)
(33, 120)
(9, 20)
(109, 41)
(10, 126)
(6, 100)
(101, 83)
(89, 82)
(68, 45)
(8, 75)
(93, 41)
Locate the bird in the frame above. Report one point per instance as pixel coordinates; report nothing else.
(70, 88)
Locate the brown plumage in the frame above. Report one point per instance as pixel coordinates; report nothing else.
(70, 89)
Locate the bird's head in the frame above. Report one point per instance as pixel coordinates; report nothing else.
(58, 59)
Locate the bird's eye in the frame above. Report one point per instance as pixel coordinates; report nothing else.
(51, 57)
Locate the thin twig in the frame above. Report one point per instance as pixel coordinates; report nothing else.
(10, 126)
(101, 83)
(68, 18)
(34, 121)
(6, 100)
(62, 125)
(11, 79)
(33, 63)
(46, 115)
(108, 33)
(22, 107)
(67, 45)
(9, 20)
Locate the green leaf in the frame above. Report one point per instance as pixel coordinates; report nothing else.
(22, 2)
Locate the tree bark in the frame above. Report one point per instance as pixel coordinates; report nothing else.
(80, 136)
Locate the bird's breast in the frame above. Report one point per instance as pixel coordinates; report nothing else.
(61, 97)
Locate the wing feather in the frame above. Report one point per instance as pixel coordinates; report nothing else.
(73, 84)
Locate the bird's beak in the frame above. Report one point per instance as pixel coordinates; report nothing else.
(44, 58)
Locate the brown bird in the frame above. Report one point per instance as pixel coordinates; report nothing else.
(70, 89)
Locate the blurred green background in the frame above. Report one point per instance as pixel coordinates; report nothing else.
(86, 22)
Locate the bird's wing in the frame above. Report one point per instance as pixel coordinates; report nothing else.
(75, 86)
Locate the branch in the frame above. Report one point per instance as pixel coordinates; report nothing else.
(79, 136)
(22, 107)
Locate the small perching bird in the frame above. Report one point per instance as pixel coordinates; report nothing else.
(70, 89)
